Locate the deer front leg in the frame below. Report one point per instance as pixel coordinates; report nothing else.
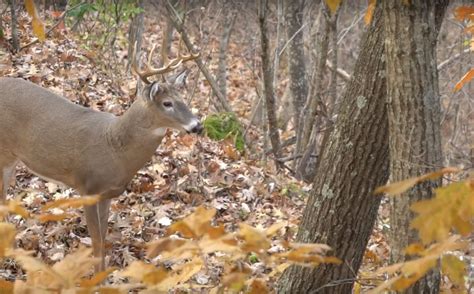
(6, 171)
(97, 222)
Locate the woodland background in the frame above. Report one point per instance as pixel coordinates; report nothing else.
(258, 169)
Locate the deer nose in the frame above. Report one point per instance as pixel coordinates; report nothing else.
(197, 129)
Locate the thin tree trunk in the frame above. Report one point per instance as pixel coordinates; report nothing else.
(228, 23)
(341, 210)
(296, 63)
(135, 33)
(333, 86)
(308, 137)
(314, 100)
(414, 114)
(269, 93)
(15, 41)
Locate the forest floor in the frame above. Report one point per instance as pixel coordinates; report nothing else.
(187, 170)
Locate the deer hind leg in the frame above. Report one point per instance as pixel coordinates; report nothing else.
(7, 166)
(97, 222)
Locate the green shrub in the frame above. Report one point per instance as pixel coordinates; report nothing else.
(225, 125)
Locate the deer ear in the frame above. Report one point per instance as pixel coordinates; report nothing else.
(154, 89)
(179, 80)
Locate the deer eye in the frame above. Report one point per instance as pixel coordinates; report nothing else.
(167, 104)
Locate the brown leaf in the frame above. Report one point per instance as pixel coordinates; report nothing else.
(97, 278)
(400, 187)
(465, 79)
(258, 286)
(6, 287)
(370, 12)
(333, 5)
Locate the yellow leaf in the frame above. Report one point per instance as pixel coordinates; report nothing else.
(7, 233)
(16, 207)
(194, 225)
(414, 249)
(227, 243)
(384, 286)
(97, 278)
(370, 12)
(49, 217)
(403, 283)
(273, 229)
(279, 269)
(235, 281)
(143, 272)
(454, 268)
(75, 265)
(400, 187)
(37, 23)
(155, 277)
(183, 228)
(333, 5)
(465, 79)
(72, 202)
(308, 254)
(357, 288)
(181, 274)
(39, 274)
(451, 208)
(165, 244)
(254, 240)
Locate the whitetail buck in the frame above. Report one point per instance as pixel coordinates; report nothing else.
(94, 152)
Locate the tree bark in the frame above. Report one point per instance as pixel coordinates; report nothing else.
(341, 210)
(296, 63)
(269, 92)
(227, 23)
(414, 114)
(15, 41)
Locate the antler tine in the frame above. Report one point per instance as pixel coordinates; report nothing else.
(168, 65)
(135, 68)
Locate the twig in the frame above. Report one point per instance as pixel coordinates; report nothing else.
(445, 63)
(60, 19)
(288, 158)
(175, 20)
(342, 73)
(291, 39)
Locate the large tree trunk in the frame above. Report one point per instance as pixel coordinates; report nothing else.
(341, 210)
(414, 113)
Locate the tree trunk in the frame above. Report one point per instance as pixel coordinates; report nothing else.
(227, 23)
(296, 62)
(135, 33)
(15, 41)
(269, 92)
(341, 210)
(414, 114)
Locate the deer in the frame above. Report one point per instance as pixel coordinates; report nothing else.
(93, 152)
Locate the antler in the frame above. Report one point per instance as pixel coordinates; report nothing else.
(168, 65)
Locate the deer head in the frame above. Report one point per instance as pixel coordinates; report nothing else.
(164, 97)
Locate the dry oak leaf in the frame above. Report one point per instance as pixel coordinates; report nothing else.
(400, 187)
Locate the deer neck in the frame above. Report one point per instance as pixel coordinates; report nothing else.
(134, 135)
